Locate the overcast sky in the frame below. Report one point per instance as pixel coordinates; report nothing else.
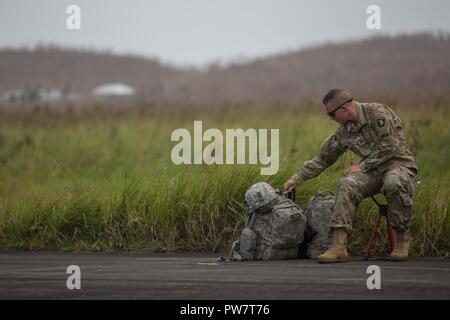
(199, 31)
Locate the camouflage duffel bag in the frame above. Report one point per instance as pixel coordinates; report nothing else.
(275, 228)
(318, 213)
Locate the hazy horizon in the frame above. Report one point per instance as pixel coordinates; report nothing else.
(200, 32)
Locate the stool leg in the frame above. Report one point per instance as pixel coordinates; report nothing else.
(372, 236)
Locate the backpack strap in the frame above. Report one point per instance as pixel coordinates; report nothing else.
(251, 220)
(233, 255)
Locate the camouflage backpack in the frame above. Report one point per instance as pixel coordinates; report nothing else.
(318, 213)
(275, 228)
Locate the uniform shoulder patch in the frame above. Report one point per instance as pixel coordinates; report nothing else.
(381, 122)
(379, 119)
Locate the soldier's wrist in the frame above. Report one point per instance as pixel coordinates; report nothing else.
(297, 178)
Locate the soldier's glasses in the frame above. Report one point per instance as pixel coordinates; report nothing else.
(332, 114)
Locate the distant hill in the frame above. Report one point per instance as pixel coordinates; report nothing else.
(78, 71)
(375, 65)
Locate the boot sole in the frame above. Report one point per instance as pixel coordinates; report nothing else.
(333, 261)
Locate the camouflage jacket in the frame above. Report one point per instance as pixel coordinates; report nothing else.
(376, 137)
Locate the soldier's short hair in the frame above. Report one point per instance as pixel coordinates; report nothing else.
(340, 95)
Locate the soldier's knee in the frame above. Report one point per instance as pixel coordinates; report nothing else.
(396, 189)
(392, 188)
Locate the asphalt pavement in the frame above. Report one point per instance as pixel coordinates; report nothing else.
(38, 275)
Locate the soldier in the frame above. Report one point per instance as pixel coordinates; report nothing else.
(374, 133)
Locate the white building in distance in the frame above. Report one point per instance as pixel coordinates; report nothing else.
(113, 89)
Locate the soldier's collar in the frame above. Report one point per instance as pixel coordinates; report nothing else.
(360, 121)
(350, 126)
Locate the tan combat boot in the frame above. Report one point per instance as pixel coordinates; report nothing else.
(401, 249)
(337, 252)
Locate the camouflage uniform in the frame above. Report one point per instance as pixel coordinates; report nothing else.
(386, 162)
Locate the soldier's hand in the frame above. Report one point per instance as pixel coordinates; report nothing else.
(353, 168)
(289, 185)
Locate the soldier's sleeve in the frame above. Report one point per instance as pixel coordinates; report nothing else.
(385, 142)
(329, 152)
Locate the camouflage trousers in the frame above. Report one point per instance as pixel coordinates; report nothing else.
(397, 184)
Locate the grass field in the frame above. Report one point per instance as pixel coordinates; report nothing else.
(97, 180)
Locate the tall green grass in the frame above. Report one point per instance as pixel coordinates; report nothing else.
(104, 181)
